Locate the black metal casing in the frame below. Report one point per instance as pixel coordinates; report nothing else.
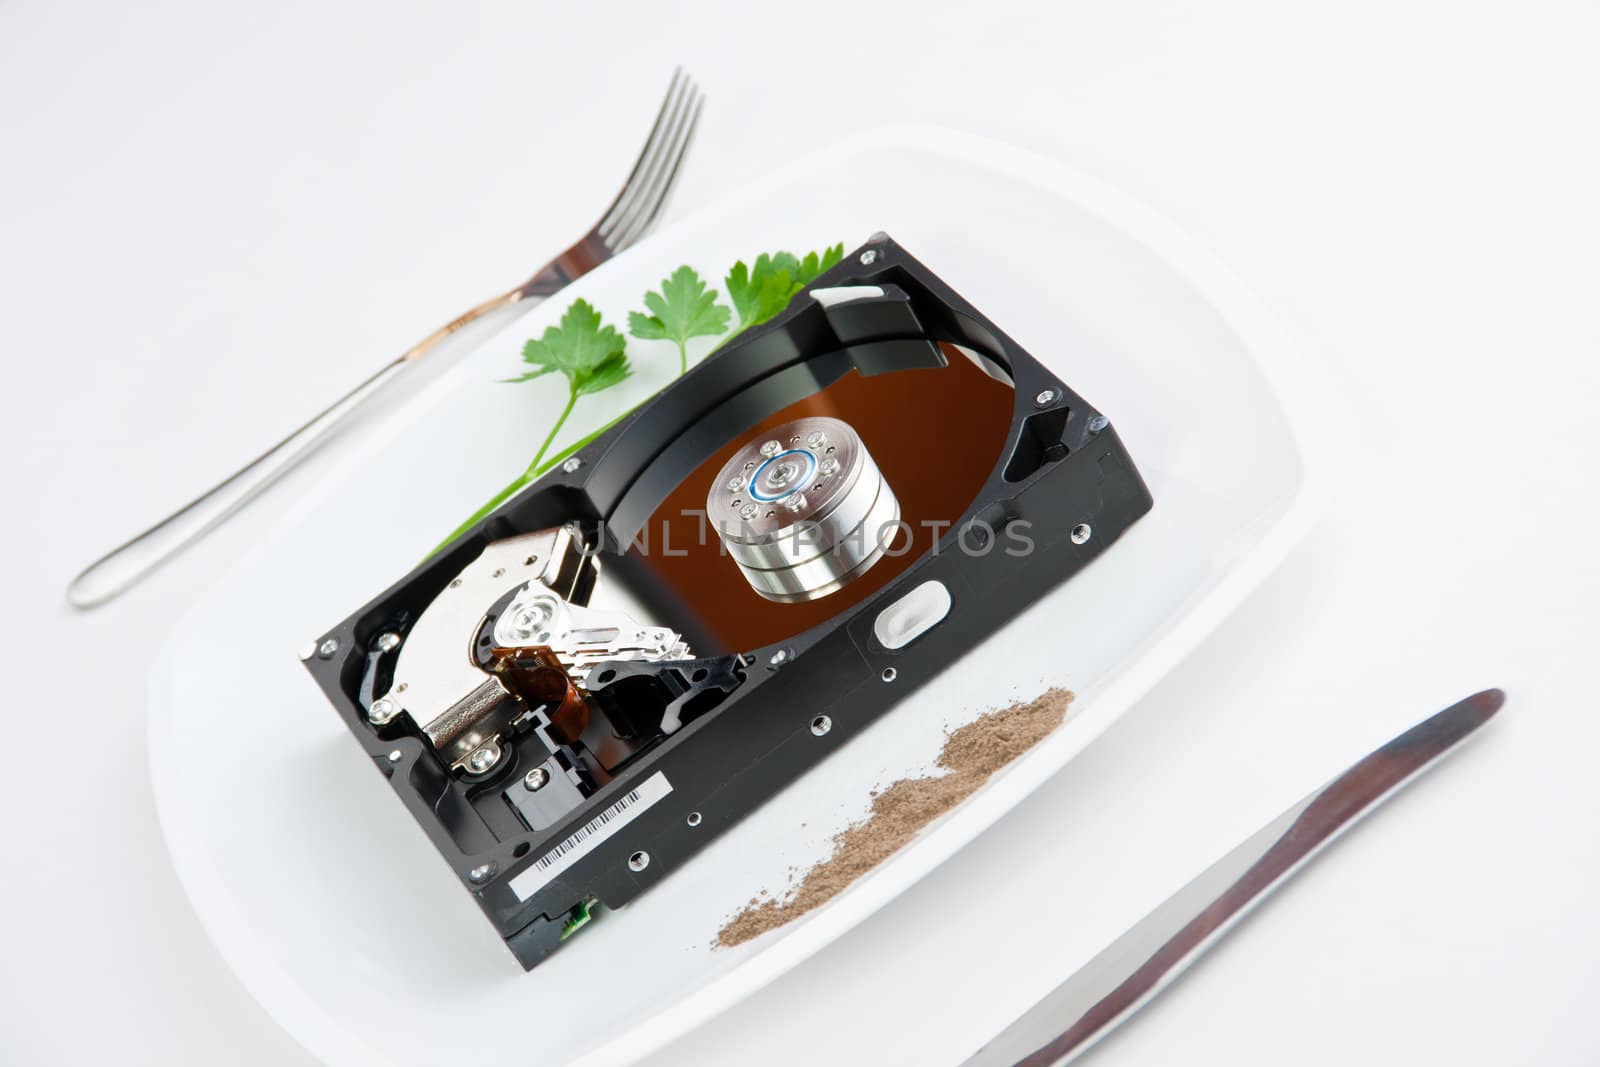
(1061, 467)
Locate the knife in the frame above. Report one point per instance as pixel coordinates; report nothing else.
(1129, 972)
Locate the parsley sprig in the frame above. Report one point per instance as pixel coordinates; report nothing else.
(590, 354)
(761, 291)
(593, 357)
(682, 308)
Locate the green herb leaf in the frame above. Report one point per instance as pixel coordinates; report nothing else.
(683, 308)
(814, 265)
(579, 348)
(761, 291)
(592, 355)
(604, 376)
(589, 353)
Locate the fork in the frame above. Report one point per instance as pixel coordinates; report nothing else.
(631, 215)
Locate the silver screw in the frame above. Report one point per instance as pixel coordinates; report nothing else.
(735, 483)
(383, 709)
(308, 650)
(638, 861)
(693, 819)
(779, 658)
(816, 438)
(573, 465)
(1045, 398)
(482, 759)
(749, 511)
(1098, 423)
(388, 642)
(328, 648)
(395, 755)
(1081, 533)
(770, 448)
(889, 674)
(783, 474)
(821, 725)
(796, 502)
(829, 465)
(531, 617)
(481, 874)
(536, 779)
(869, 257)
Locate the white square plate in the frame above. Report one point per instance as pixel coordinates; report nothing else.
(334, 909)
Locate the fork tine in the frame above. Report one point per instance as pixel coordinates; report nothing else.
(679, 79)
(670, 106)
(645, 206)
(661, 154)
(651, 207)
(659, 131)
(671, 182)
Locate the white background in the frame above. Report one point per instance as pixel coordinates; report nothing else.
(213, 219)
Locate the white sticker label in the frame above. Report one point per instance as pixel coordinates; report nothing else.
(586, 838)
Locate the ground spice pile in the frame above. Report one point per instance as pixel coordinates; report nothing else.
(970, 756)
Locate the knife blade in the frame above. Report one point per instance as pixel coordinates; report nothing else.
(1135, 967)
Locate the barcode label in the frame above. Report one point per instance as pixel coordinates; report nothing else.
(586, 838)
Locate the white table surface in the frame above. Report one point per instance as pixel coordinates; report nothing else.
(213, 218)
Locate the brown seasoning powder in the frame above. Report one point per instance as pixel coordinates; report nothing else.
(971, 755)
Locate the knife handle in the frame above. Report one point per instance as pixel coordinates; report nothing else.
(1144, 959)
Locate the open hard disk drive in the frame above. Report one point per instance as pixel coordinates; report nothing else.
(633, 653)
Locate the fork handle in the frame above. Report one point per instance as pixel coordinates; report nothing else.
(125, 565)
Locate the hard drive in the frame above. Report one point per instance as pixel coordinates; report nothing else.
(633, 653)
